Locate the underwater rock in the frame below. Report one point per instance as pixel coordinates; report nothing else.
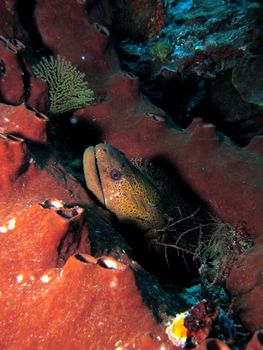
(245, 283)
(53, 233)
(226, 177)
(27, 172)
(48, 282)
(186, 69)
(247, 77)
(57, 309)
(38, 96)
(84, 43)
(212, 344)
(11, 82)
(54, 294)
(16, 162)
(204, 39)
(256, 343)
(11, 42)
(126, 86)
(24, 122)
(137, 20)
(256, 145)
(240, 120)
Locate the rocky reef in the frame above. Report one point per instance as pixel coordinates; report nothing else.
(186, 68)
(74, 277)
(197, 38)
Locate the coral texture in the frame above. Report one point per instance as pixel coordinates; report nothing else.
(203, 39)
(245, 78)
(46, 266)
(68, 279)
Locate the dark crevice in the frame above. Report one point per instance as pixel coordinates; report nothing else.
(24, 166)
(34, 43)
(81, 258)
(26, 81)
(212, 345)
(34, 46)
(260, 337)
(69, 244)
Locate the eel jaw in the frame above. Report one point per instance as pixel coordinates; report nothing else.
(91, 173)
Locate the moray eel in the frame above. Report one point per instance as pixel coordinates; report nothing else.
(123, 189)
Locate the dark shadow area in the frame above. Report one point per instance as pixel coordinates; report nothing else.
(260, 337)
(75, 133)
(155, 297)
(34, 43)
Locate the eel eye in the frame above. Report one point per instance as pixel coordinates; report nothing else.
(115, 174)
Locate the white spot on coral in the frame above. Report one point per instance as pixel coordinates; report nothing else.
(45, 279)
(114, 283)
(19, 278)
(110, 263)
(3, 229)
(118, 342)
(57, 204)
(121, 347)
(163, 347)
(83, 58)
(11, 224)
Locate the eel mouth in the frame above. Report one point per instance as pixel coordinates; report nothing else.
(92, 173)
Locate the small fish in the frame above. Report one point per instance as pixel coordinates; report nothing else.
(123, 189)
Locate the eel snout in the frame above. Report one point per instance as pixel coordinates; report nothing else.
(91, 173)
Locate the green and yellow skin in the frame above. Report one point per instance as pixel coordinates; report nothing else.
(123, 189)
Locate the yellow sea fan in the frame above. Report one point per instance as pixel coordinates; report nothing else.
(67, 88)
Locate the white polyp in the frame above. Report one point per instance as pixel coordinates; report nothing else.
(110, 263)
(45, 279)
(163, 347)
(11, 224)
(114, 283)
(3, 229)
(57, 204)
(19, 278)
